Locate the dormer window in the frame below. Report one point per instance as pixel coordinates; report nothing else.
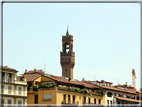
(109, 85)
(97, 83)
(100, 84)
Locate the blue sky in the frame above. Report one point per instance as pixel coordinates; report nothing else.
(106, 38)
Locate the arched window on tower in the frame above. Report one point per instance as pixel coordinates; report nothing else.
(66, 47)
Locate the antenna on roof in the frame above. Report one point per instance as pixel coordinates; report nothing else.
(118, 81)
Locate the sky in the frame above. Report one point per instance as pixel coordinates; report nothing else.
(106, 39)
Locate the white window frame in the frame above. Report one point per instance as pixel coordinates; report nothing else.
(9, 90)
(46, 96)
(2, 88)
(19, 91)
(20, 101)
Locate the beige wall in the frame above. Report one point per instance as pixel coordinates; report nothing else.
(78, 97)
(8, 98)
(14, 89)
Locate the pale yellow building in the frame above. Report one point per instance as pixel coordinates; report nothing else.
(14, 87)
(61, 91)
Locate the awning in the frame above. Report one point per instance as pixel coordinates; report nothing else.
(127, 99)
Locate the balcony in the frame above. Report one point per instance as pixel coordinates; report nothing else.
(3, 79)
(10, 80)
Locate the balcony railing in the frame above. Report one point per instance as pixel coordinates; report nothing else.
(10, 80)
(3, 79)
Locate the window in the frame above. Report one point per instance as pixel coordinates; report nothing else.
(109, 94)
(114, 94)
(122, 88)
(100, 84)
(84, 100)
(108, 102)
(127, 89)
(66, 69)
(65, 58)
(111, 102)
(64, 98)
(2, 88)
(69, 99)
(19, 90)
(2, 101)
(19, 102)
(9, 75)
(36, 99)
(9, 102)
(68, 58)
(88, 100)
(119, 95)
(62, 58)
(2, 74)
(109, 85)
(9, 89)
(99, 101)
(73, 99)
(46, 96)
(97, 83)
(94, 101)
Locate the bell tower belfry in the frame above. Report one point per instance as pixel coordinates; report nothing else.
(67, 56)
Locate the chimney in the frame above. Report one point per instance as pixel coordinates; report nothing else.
(126, 83)
(82, 79)
(34, 70)
(69, 79)
(25, 70)
(6, 66)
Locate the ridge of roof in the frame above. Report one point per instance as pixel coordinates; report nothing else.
(7, 68)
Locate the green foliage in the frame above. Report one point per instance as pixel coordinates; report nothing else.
(31, 87)
(28, 88)
(85, 90)
(46, 85)
(50, 85)
(53, 85)
(22, 79)
(69, 88)
(100, 92)
(76, 89)
(57, 85)
(81, 90)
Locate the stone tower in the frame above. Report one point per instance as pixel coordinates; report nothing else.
(67, 56)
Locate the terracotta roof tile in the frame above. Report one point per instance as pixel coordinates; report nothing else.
(7, 68)
(116, 89)
(60, 79)
(31, 77)
(127, 99)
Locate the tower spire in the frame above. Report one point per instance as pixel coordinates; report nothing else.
(67, 33)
